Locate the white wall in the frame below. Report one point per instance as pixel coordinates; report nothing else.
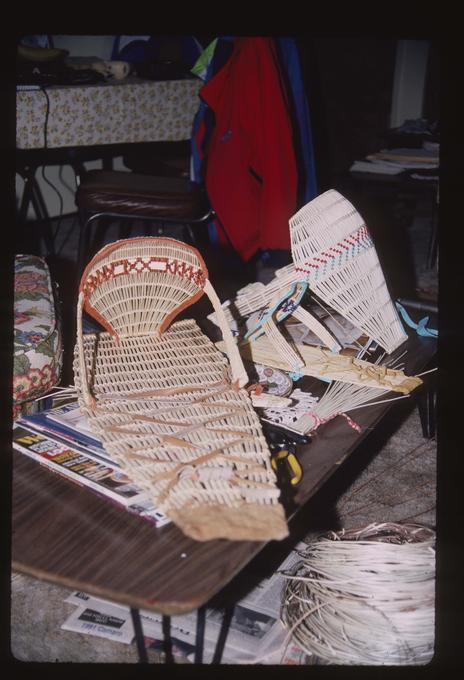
(99, 46)
(409, 81)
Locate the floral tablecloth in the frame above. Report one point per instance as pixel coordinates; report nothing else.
(37, 334)
(118, 112)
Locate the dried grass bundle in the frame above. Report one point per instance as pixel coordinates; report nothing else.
(364, 596)
(321, 363)
(340, 397)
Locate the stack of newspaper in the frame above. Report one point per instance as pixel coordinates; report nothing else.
(256, 634)
(396, 161)
(60, 439)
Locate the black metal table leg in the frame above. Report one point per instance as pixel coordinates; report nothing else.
(26, 197)
(426, 407)
(221, 641)
(32, 195)
(139, 639)
(166, 624)
(422, 404)
(200, 634)
(431, 411)
(433, 239)
(42, 213)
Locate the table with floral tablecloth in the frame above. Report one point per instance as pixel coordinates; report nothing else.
(114, 112)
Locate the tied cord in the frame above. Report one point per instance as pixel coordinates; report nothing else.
(255, 388)
(320, 421)
(176, 438)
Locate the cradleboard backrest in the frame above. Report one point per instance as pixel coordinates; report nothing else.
(333, 251)
(137, 286)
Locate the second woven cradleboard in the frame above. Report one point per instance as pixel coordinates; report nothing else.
(168, 406)
(333, 251)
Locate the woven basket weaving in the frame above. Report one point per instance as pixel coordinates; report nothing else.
(168, 406)
(257, 295)
(333, 250)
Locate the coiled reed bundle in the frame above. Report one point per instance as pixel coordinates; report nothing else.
(364, 596)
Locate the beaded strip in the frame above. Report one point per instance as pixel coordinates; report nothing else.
(320, 421)
(336, 256)
(145, 264)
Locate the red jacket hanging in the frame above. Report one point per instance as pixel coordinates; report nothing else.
(251, 174)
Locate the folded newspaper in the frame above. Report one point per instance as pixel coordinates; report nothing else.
(256, 634)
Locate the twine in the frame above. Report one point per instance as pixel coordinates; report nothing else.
(320, 421)
(364, 596)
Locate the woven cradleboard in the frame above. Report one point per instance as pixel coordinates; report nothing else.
(168, 406)
(334, 252)
(265, 343)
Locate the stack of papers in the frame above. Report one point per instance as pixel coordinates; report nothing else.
(395, 161)
(61, 440)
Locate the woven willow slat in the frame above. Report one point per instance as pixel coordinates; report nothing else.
(170, 408)
(256, 295)
(321, 363)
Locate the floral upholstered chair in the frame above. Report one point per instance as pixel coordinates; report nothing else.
(37, 333)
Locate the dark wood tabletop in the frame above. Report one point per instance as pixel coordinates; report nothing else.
(64, 534)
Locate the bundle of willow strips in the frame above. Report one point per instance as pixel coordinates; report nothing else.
(340, 397)
(326, 365)
(256, 295)
(333, 251)
(364, 596)
(167, 405)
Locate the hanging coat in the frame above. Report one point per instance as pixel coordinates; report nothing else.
(251, 174)
(289, 61)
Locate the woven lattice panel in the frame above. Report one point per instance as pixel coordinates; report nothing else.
(333, 250)
(168, 413)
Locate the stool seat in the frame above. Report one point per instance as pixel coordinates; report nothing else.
(127, 193)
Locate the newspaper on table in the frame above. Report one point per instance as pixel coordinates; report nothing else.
(72, 416)
(88, 470)
(256, 634)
